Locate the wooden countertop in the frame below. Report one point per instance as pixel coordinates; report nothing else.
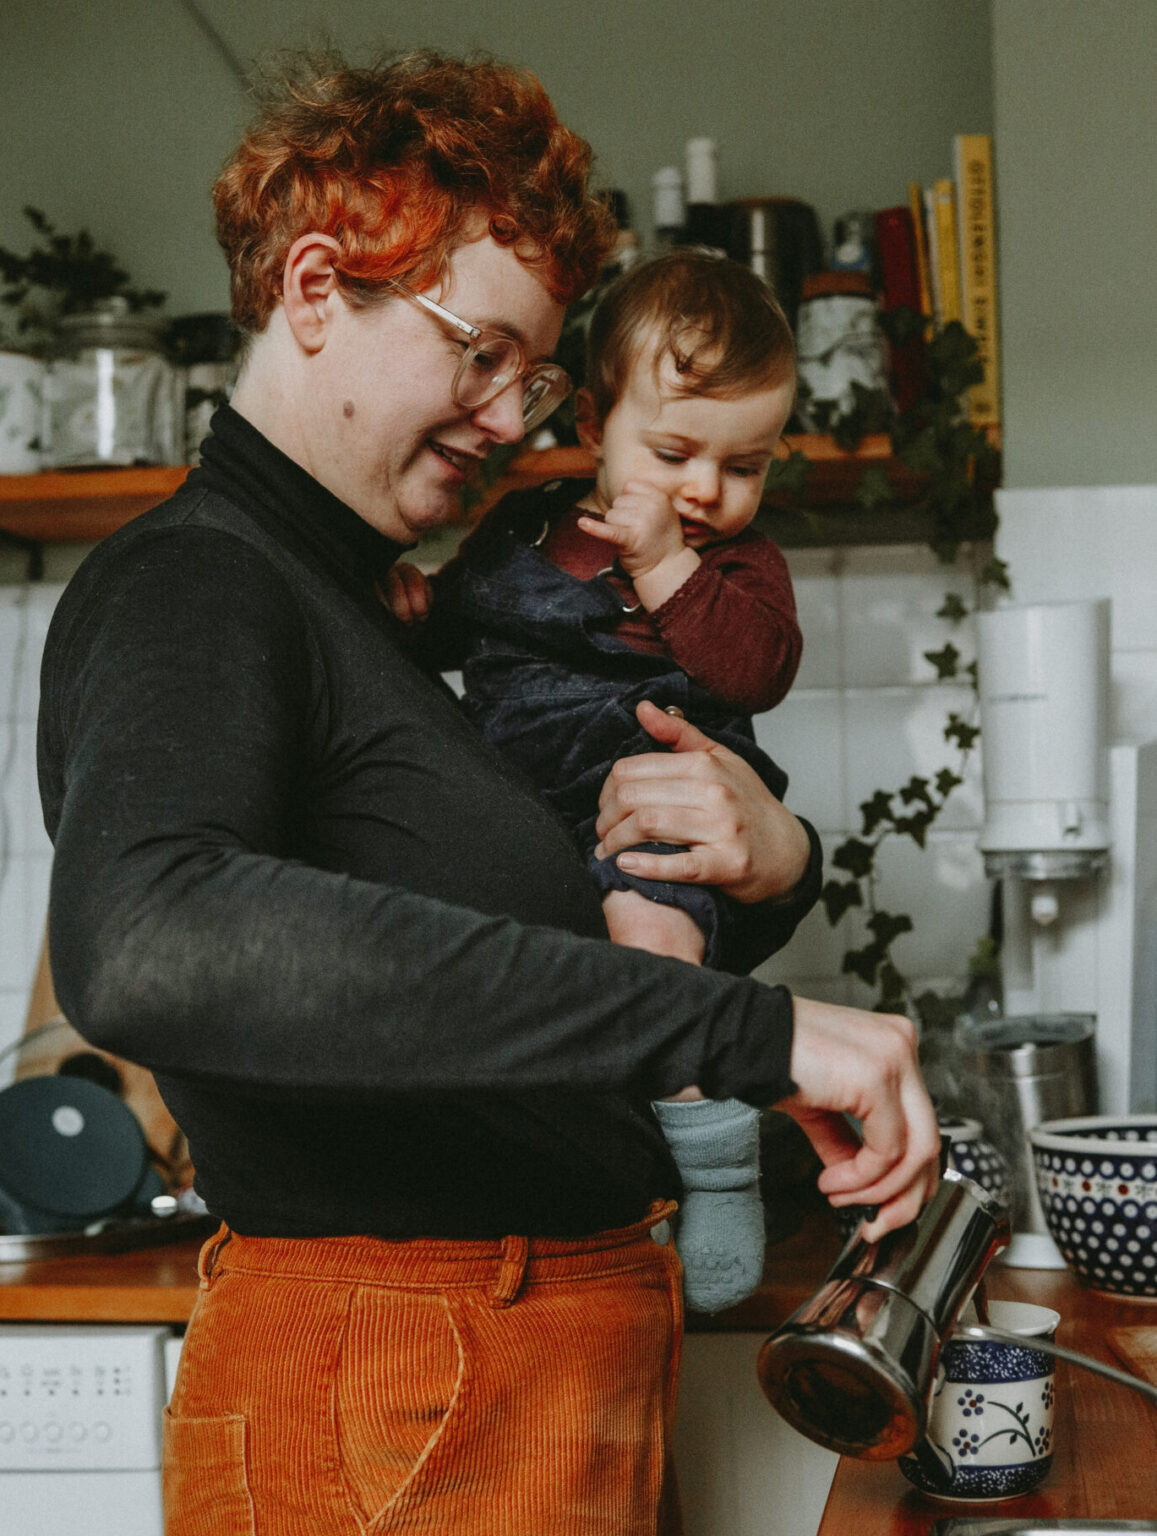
(1105, 1463)
(159, 1285)
(145, 1285)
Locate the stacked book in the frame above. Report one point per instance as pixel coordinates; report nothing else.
(937, 257)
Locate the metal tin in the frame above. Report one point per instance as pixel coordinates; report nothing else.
(853, 1368)
(1023, 1070)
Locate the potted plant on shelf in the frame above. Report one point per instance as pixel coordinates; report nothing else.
(62, 275)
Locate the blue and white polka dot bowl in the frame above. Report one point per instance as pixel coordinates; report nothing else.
(1097, 1181)
(969, 1152)
(972, 1154)
(991, 1418)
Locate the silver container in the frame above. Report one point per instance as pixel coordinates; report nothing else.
(853, 1368)
(1023, 1070)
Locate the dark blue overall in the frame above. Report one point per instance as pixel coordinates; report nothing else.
(548, 681)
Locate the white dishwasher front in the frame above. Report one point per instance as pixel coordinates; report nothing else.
(80, 1429)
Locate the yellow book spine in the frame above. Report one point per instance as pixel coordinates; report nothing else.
(947, 254)
(977, 239)
(916, 205)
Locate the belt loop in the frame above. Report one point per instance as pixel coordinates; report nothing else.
(511, 1271)
(210, 1253)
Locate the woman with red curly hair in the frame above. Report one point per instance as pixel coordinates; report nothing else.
(361, 958)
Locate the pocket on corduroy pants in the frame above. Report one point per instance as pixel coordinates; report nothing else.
(205, 1486)
(397, 1391)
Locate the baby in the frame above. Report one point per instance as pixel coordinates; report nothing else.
(571, 603)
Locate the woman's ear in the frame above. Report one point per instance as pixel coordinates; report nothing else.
(587, 423)
(306, 287)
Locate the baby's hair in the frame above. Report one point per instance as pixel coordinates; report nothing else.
(718, 322)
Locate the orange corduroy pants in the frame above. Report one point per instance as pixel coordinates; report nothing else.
(355, 1387)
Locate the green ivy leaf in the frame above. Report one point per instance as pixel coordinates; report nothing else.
(917, 789)
(921, 453)
(892, 988)
(953, 610)
(959, 731)
(936, 1012)
(916, 827)
(945, 661)
(946, 782)
(995, 574)
(887, 926)
(875, 810)
(855, 856)
(874, 490)
(788, 477)
(902, 324)
(863, 963)
(839, 897)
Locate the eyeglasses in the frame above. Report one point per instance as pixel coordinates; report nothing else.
(493, 362)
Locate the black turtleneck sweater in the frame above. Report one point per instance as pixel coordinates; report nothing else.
(362, 959)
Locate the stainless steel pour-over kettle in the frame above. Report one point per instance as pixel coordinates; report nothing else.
(854, 1367)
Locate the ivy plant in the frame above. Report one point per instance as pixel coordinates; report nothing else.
(956, 466)
(62, 275)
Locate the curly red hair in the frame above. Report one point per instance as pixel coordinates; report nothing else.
(395, 161)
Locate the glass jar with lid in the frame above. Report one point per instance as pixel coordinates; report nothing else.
(111, 395)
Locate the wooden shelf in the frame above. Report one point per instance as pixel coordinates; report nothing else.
(82, 505)
(86, 505)
(826, 514)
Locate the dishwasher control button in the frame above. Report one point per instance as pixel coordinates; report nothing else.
(77, 1432)
(28, 1432)
(102, 1432)
(7, 1433)
(53, 1433)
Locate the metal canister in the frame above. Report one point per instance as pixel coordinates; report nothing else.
(854, 1368)
(1025, 1069)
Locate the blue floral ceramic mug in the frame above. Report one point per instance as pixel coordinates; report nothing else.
(991, 1420)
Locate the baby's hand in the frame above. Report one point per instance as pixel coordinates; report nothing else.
(643, 526)
(407, 592)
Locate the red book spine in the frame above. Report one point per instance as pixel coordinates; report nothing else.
(900, 289)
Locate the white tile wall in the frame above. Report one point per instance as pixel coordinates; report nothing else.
(25, 852)
(1071, 544)
(867, 712)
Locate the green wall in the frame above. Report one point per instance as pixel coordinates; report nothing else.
(1075, 87)
(116, 113)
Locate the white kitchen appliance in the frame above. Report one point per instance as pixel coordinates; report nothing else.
(80, 1429)
(1071, 830)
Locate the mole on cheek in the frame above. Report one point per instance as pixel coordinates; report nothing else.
(347, 409)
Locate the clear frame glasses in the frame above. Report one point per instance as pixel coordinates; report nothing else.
(491, 363)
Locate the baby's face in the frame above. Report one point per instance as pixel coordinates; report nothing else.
(709, 454)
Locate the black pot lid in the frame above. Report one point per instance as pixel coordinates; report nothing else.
(69, 1147)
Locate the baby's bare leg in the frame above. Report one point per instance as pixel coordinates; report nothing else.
(715, 1144)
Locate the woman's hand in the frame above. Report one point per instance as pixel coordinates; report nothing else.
(844, 1062)
(740, 837)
